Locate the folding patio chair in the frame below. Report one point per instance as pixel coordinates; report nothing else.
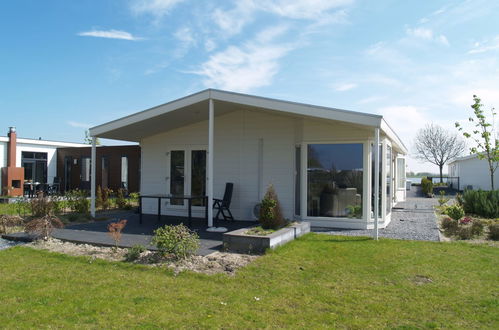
(223, 205)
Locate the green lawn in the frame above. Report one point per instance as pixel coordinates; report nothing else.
(316, 281)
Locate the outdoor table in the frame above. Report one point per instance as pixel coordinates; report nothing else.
(32, 188)
(189, 199)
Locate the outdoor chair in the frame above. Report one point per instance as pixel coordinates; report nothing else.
(223, 205)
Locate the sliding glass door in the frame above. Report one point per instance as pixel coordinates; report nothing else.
(187, 174)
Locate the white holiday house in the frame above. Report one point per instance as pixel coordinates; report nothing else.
(473, 173)
(320, 160)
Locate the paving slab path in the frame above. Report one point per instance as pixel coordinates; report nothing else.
(413, 219)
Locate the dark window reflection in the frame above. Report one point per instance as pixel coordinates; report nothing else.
(335, 175)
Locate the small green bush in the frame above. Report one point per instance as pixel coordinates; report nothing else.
(455, 211)
(121, 201)
(477, 228)
(176, 241)
(449, 226)
(480, 202)
(78, 201)
(427, 186)
(494, 232)
(442, 200)
(464, 233)
(134, 252)
(270, 211)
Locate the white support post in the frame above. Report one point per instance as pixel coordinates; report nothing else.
(92, 177)
(376, 182)
(211, 126)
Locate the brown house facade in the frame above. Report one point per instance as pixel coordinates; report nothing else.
(116, 167)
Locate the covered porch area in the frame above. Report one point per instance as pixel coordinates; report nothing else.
(321, 161)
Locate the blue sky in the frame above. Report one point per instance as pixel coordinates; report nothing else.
(68, 65)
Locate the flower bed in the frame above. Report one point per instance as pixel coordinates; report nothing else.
(240, 241)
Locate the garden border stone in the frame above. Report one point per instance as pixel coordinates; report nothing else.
(240, 242)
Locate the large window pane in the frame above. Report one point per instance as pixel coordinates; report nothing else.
(124, 172)
(198, 176)
(297, 180)
(335, 176)
(105, 172)
(400, 173)
(177, 165)
(380, 190)
(388, 164)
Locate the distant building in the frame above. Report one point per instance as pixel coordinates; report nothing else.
(37, 162)
(473, 173)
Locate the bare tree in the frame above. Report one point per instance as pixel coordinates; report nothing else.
(437, 146)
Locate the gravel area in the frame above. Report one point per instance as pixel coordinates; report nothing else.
(413, 219)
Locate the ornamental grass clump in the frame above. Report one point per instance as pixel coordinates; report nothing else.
(270, 211)
(42, 228)
(114, 230)
(9, 221)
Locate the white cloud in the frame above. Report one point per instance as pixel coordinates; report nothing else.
(232, 21)
(209, 45)
(111, 34)
(79, 125)
(345, 87)
(302, 9)
(184, 35)
(246, 67)
(371, 99)
(485, 46)
(427, 35)
(157, 8)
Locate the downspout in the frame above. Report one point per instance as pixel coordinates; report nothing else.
(376, 182)
(92, 177)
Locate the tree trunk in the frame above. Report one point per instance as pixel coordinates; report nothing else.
(441, 175)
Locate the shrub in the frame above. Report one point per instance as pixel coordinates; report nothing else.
(494, 232)
(22, 206)
(442, 200)
(41, 206)
(78, 201)
(270, 211)
(176, 241)
(9, 221)
(134, 252)
(464, 233)
(455, 211)
(449, 226)
(114, 230)
(121, 201)
(354, 211)
(427, 186)
(479, 202)
(43, 227)
(477, 228)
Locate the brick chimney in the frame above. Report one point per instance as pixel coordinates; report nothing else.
(12, 176)
(11, 147)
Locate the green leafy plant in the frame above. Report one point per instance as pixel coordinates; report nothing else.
(442, 200)
(494, 232)
(480, 202)
(43, 227)
(134, 252)
(455, 211)
(270, 211)
(121, 201)
(178, 241)
(78, 201)
(354, 211)
(427, 187)
(486, 143)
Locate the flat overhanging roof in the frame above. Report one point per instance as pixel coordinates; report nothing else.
(194, 108)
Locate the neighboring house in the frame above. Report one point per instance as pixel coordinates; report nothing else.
(117, 167)
(318, 159)
(473, 173)
(27, 159)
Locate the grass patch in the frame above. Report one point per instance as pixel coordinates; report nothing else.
(314, 281)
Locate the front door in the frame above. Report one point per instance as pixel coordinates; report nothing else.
(186, 174)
